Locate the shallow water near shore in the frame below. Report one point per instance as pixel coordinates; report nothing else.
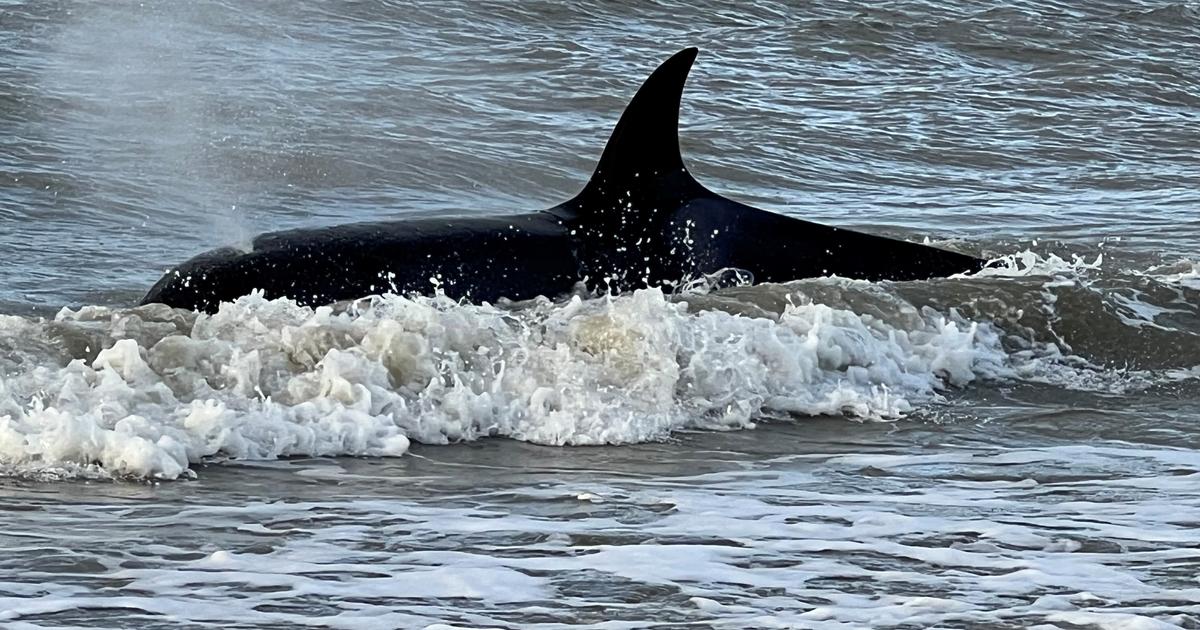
(1018, 448)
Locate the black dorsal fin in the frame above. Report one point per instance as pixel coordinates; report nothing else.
(645, 142)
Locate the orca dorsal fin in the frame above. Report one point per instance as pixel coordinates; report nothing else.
(645, 142)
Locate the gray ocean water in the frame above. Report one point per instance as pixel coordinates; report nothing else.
(1014, 449)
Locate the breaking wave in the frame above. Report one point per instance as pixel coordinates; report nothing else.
(263, 379)
(150, 391)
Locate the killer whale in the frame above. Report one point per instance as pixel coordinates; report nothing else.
(641, 220)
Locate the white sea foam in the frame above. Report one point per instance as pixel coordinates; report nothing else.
(956, 535)
(263, 379)
(1027, 263)
(1185, 273)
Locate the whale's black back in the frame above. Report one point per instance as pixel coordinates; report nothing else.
(647, 221)
(641, 220)
(481, 260)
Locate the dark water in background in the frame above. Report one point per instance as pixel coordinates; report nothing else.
(1048, 470)
(139, 133)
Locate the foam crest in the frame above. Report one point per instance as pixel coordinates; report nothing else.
(1027, 263)
(264, 379)
(1185, 273)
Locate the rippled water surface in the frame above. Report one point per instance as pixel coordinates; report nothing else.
(1014, 449)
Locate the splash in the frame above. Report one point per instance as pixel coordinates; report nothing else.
(1028, 263)
(1185, 274)
(148, 392)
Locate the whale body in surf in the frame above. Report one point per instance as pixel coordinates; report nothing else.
(641, 221)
